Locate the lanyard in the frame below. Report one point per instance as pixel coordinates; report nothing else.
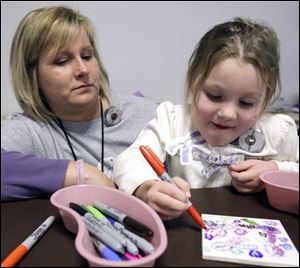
(60, 124)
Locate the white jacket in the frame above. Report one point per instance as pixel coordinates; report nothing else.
(173, 122)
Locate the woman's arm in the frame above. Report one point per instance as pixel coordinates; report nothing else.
(29, 176)
(91, 174)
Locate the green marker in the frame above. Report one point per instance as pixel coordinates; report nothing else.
(96, 213)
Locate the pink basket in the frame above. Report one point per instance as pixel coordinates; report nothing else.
(282, 189)
(130, 205)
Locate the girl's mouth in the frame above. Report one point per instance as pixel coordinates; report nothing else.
(218, 126)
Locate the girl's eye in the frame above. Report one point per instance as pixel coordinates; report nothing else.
(214, 97)
(246, 104)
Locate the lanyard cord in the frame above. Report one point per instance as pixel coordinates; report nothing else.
(67, 137)
(102, 139)
(60, 124)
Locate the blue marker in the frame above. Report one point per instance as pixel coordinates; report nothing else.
(105, 251)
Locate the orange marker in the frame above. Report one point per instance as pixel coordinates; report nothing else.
(159, 168)
(20, 251)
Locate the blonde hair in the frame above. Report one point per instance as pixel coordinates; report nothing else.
(243, 39)
(45, 29)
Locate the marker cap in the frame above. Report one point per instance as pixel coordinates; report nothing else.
(137, 227)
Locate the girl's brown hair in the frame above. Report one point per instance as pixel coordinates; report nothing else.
(243, 39)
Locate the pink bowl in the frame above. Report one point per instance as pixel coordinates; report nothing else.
(282, 189)
(132, 206)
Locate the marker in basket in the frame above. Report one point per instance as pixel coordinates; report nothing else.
(106, 252)
(129, 222)
(141, 242)
(101, 225)
(104, 237)
(159, 168)
(130, 246)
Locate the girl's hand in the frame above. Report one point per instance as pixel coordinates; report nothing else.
(245, 175)
(168, 200)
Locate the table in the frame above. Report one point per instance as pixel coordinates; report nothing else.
(57, 249)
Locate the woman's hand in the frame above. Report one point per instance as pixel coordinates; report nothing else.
(245, 175)
(168, 200)
(92, 175)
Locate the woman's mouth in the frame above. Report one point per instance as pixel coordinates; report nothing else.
(84, 86)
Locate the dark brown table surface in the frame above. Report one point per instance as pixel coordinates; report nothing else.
(56, 248)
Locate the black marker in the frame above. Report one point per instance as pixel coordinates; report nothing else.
(129, 222)
(79, 209)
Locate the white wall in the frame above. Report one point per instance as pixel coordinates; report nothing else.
(146, 45)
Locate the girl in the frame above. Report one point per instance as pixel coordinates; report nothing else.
(223, 135)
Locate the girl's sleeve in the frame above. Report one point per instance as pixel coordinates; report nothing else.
(130, 168)
(287, 143)
(29, 176)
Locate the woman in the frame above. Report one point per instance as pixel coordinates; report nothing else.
(69, 111)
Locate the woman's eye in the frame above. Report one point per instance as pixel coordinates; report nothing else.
(87, 54)
(86, 57)
(60, 62)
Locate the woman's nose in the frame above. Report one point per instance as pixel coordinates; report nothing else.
(81, 68)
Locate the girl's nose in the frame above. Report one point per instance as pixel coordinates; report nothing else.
(227, 112)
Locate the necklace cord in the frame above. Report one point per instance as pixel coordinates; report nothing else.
(67, 137)
(60, 124)
(102, 139)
